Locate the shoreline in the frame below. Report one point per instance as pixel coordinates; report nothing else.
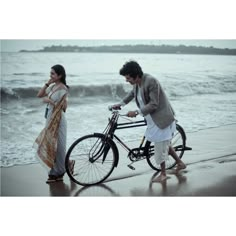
(210, 172)
(130, 141)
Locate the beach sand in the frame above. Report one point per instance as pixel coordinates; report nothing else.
(211, 171)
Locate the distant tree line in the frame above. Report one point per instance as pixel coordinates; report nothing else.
(181, 49)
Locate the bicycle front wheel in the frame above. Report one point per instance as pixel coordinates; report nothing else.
(94, 158)
(178, 143)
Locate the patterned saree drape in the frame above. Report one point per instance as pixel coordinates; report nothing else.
(46, 142)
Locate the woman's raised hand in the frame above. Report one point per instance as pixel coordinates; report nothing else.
(50, 81)
(46, 100)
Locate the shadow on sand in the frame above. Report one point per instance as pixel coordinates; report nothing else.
(62, 189)
(163, 188)
(100, 190)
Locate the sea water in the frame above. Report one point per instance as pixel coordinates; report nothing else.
(201, 89)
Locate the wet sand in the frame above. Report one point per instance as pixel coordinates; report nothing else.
(211, 171)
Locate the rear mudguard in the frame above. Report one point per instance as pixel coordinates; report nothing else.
(185, 137)
(182, 131)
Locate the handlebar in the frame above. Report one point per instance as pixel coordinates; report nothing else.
(129, 124)
(114, 110)
(111, 108)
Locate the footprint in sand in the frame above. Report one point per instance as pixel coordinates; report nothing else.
(206, 167)
(226, 161)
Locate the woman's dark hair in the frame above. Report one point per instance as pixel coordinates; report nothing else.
(131, 68)
(59, 69)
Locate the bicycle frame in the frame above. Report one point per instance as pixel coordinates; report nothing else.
(113, 126)
(97, 154)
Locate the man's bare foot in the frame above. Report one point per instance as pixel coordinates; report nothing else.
(160, 178)
(180, 166)
(176, 171)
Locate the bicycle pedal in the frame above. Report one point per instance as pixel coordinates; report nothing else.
(131, 167)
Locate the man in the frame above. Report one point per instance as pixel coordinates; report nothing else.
(155, 107)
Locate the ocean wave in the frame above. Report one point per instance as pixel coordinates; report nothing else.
(29, 74)
(40, 74)
(113, 90)
(177, 89)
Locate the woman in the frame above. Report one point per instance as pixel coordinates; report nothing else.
(51, 142)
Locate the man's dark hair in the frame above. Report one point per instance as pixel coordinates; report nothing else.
(131, 68)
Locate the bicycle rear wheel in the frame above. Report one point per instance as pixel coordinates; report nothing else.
(178, 143)
(95, 158)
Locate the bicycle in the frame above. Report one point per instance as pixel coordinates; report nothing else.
(96, 155)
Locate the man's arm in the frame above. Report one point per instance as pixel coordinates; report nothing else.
(154, 94)
(125, 101)
(128, 97)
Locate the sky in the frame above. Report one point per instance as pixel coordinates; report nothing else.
(17, 45)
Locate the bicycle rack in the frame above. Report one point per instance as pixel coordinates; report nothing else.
(188, 148)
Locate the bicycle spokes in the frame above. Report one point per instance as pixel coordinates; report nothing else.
(94, 158)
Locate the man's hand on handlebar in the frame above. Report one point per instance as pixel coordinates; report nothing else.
(116, 107)
(132, 114)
